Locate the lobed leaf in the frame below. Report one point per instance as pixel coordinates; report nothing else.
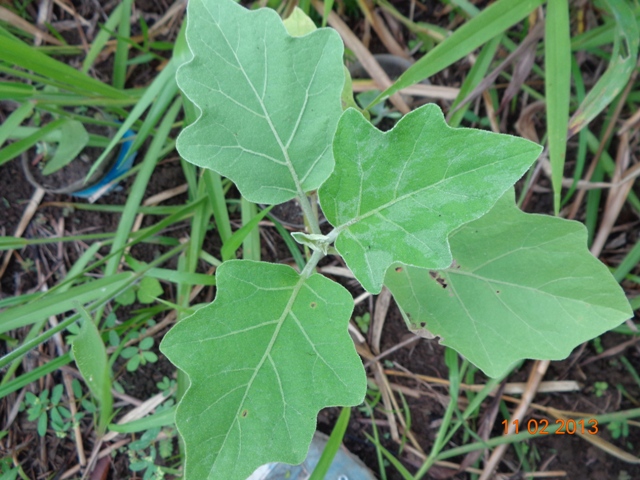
(269, 102)
(263, 359)
(396, 196)
(521, 286)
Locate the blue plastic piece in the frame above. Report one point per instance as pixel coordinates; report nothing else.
(122, 165)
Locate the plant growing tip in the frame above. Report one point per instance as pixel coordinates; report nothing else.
(496, 284)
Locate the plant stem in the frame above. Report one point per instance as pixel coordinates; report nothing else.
(311, 264)
(308, 213)
(332, 235)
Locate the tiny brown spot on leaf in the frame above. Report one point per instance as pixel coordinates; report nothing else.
(399, 269)
(244, 413)
(313, 304)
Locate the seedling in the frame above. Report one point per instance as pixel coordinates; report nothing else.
(600, 388)
(48, 411)
(363, 322)
(424, 209)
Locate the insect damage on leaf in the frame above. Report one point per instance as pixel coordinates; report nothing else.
(523, 286)
(436, 276)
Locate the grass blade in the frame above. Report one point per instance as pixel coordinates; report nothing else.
(492, 21)
(251, 242)
(229, 248)
(15, 52)
(12, 151)
(162, 419)
(557, 62)
(164, 82)
(333, 444)
(35, 374)
(218, 204)
(473, 79)
(55, 304)
(292, 245)
(122, 47)
(14, 120)
(101, 38)
(623, 61)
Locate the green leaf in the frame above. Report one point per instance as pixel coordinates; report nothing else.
(149, 290)
(42, 424)
(133, 364)
(146, 343)
(127, 297)
(129, 352)
(73, 138)
(149, 357)
(90, 355)
(396, 196)
(269, 102)
(56, 394)
(614, 79)
(299, 23)
(522, 286)
(263, 359)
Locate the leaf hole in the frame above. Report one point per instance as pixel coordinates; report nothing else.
(436, 276)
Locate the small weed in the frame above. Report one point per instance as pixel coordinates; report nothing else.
(47, 410)
(600, 388)
(140, 354)
(363, 322)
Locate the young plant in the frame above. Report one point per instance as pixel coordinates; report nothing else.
(48, 410)
(424, 209)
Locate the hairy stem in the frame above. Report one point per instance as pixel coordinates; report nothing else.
(308, 213)
(311, 264)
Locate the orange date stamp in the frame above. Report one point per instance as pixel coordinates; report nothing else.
(565, 426)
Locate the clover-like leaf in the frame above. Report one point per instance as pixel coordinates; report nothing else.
(269, 102)
(521, 286)
(396, 196)
(263, 359)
